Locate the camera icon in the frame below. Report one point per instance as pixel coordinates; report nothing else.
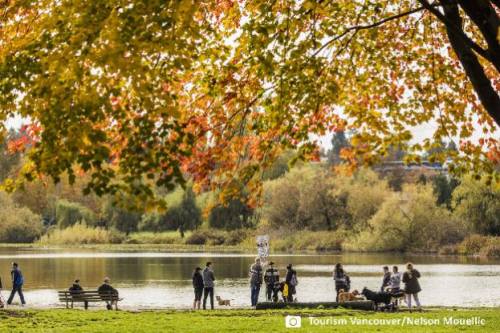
(293, 321)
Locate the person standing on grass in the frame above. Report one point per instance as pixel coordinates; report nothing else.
(17, 284)
(208, 285)
(340, 278)
(412, 287)
(395, 284)
(386, 281)
(255, 281)
(198, 287)
(271, 277)
(291, 282)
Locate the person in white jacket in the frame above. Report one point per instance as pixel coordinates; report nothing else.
(395, 282)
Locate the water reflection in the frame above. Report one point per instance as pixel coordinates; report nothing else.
(163, 279)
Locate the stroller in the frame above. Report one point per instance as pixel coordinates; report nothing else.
(395, 296)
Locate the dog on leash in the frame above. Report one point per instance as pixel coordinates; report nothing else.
(223, 301)
(345, 296)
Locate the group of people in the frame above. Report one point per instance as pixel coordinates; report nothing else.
(271, 278)
(18, 281)
(391, 282)
(204, 283)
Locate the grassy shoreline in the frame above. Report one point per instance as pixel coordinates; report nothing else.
(242, 241)
(244, 321)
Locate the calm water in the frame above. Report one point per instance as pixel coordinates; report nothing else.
(163, 280)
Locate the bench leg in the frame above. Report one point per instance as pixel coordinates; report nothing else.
(67, 305)
(116, 305)
(72, 305)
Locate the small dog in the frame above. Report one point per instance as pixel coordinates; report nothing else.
(223, 301)
(345, 296)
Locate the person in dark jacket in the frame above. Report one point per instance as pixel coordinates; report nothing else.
(386, 281)
(17, 284)
(291, 282)
(341, 280)
(412, 287)
(105, 289)
(271, 277)
(208, 285)
(198, 287)
(279, 287)
(255, 281)
(76, 289)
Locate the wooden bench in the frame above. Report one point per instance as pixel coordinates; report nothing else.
(70, 297)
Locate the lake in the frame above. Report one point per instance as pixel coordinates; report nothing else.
(163, 280)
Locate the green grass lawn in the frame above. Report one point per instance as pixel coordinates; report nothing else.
(233, 321)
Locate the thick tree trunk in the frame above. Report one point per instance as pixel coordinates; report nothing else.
(482, 85)
(482, 13)
(465, 48)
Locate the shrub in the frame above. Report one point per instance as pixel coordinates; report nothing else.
(206, 237)
(70, 213)
(18, 225)
(410, 221)
(236, 237)
(473, 244)
(491, 250)
(303, 240)
(450, 250)
(80, 233)
(170, 237)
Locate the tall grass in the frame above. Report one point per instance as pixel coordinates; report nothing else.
(167, 237)
(474, 245)
(80, 233)
(302, 240)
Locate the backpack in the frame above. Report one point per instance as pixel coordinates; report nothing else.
(293, 281)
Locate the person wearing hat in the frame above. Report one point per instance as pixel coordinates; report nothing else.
(198, 287)
(76, 289)
(271, 276)
(291, 282)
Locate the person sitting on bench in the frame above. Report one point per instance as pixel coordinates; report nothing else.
(76, 289)
(105, 289)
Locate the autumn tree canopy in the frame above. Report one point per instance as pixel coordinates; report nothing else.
(148, 93)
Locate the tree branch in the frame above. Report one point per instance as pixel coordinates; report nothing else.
(365, 27)
(496, 3)
(457, 30)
